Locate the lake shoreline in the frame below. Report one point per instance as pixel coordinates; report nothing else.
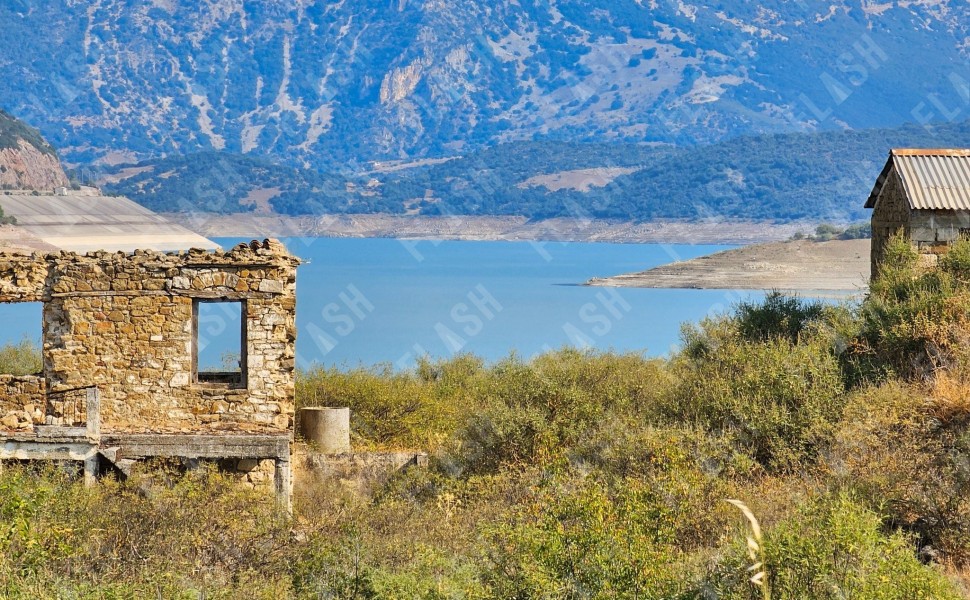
(490, 228)
(799, 266)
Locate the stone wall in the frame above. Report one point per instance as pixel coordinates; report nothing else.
(359, 472)
(891, 214)
(254, 473)
(932, 228)
(23, 277)
(22, 402)
(124, 323)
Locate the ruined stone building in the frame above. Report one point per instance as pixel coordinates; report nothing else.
(925, 194)
(121, 379)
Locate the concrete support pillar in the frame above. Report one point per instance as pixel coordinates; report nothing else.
(283, 482)
(91, 470)
(328, 428)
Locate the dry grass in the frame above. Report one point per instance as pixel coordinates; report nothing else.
(755, 541)
(948, 398)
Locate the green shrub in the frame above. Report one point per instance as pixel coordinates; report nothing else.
(416, 409)
(690, 469)
(165, 535)
(585, 538)
(956, 261)
(501, 435)
(21, 359)
(905, 450)
(770, 376)
(5, 220)
(30, 504)
(778, 400)
(914, 318)
(826, 231)
(832, 548)
(345, 568)
(842, 329)
(704, 338)
(899, 264)
(857, 231)
(419, 537)
(534, 412)
(778, 315)
(334, 568)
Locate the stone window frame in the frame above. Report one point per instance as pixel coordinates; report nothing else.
(221, 379)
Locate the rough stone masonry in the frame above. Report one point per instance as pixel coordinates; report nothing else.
(128, 325)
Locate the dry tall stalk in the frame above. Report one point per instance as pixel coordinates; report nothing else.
(758, 569)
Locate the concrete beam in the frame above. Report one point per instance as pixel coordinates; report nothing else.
(199, 446)
(22, 450)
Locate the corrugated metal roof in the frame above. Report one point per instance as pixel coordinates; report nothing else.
(85, 223)
(933, 179)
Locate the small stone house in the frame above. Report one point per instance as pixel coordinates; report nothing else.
(121, 380)
(925, 193)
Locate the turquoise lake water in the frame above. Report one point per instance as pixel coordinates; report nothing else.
(369, 301)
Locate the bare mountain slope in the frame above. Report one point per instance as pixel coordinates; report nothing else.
(321, 83)
(27, 161)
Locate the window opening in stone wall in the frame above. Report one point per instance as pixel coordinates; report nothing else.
(219, 342)
(965, 233)
(20, 338)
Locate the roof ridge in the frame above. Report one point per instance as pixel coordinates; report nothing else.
(930, 151)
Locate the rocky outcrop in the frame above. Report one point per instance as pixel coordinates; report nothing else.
(27, 168)
(27, 160)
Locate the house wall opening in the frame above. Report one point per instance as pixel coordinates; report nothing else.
(22, 399)
(20, 338)
(219, 342)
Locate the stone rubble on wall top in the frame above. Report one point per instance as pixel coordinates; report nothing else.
(270, 248)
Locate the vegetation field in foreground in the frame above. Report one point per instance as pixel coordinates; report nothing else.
(844, 430)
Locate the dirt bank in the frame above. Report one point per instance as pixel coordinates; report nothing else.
(488, 228)
(17, 239)
(840, 266)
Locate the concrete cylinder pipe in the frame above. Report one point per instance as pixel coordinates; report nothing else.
(328, 428)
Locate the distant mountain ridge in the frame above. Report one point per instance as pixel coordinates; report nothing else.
(781, 177)
(343, 83)
(27, 160)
